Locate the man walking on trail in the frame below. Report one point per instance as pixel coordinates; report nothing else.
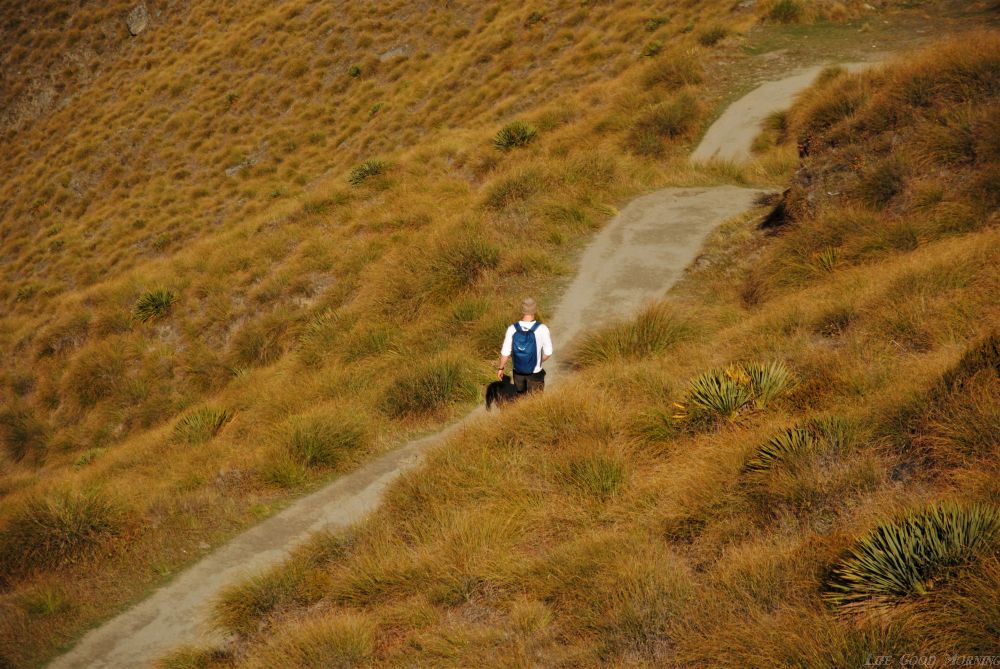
(529, 343)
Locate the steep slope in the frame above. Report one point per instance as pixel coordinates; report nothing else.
(207, 310)
(790, 462)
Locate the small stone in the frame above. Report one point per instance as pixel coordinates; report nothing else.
(137, 19)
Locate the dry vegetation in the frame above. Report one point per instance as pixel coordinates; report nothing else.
(811, 480)
(226, 240)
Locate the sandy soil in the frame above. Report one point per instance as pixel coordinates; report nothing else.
(633, 260)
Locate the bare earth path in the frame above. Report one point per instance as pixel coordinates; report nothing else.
(634, 259)
(731, 136)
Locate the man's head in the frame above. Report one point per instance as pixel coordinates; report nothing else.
(528, 308)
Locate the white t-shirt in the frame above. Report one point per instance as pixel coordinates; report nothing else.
(543, 341)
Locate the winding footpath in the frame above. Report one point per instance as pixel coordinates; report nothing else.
(635, 259)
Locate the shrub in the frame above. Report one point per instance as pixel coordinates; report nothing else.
(369, 168)
(153, 304)
(667, 120)
(651, 25)
(354, 71)
(430, 386)
(48, 531)
(21, 432)
(903, 558)
(322, 439)
(515, 134)
(200, 425)
(785, 11)
(672, 71)
(514, 189)
(652, 49)
(653, 331)
(712, 36)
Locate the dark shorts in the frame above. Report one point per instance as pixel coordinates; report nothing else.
(529, 383)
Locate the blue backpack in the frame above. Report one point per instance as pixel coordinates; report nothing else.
(525, 349)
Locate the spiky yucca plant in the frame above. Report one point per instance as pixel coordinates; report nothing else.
(724, 393)
(515, 134)
(719, 393)
(153, 304)
(767, 380)
(904, 557)
(202, 424)
(831, 433)
(781, 447)
(369, 168)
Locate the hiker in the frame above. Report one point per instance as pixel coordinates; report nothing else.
(530, 344)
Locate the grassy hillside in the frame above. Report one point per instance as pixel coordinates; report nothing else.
(253, 245)
(790, 462)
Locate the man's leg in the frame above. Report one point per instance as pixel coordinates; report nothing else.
(536, 382)
(521, 382)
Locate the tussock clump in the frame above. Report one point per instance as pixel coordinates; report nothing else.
(195, 657)
(322, 439)
(601, 474)
(95, 373)
(785, 11)
(21, 432)
(51, 530)
(260, 342)
(200, 425)
(372, 167)
(431, 386)
(651, 333)
(514, 135)
(461, 262)
(331, 640)
(513, 190)
(153, 305)
(903, 558)
(664, 121)
(672, 71)
(713, 35)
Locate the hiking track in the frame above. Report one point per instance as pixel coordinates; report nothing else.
(633, 260)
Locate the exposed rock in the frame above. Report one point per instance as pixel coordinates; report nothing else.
(137, 19)
(400, 51)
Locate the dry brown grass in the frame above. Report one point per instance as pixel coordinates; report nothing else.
(211, 157)
(588, 527)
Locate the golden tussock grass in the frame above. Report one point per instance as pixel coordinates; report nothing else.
(590, 526)
(226, 238)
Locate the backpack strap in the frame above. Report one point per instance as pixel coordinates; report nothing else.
(535, 326)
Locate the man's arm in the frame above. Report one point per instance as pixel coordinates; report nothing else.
(546, 345)
(501, 365)
(508, 341)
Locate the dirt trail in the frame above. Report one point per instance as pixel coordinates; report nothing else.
(731, 136)
(634, 259)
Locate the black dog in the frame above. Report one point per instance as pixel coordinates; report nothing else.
(500, 392)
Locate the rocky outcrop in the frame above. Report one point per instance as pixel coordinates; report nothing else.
(137, 19)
